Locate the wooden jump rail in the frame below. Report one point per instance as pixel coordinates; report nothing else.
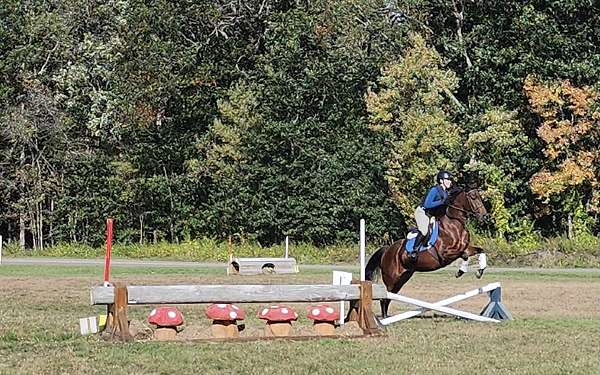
(118, 298)
(186, 294)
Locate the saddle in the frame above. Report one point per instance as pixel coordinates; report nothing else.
(428, 241)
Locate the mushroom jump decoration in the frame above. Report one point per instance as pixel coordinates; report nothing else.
(324, 317)
(224, 317)
(166, 319)
(279, 320)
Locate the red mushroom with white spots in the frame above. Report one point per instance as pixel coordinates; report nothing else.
(279, 319)
(224, 319)
(166, 319)
(324, 317)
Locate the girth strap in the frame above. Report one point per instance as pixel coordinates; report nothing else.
(433, 251)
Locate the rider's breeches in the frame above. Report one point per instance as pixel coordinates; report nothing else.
(422, 220)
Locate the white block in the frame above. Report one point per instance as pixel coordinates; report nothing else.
(342, 278)
(88, 325)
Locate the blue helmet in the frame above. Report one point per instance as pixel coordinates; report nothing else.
(443, 175)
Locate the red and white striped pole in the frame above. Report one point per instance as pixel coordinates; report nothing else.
(109, 235)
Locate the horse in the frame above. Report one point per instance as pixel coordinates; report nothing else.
(452, 243)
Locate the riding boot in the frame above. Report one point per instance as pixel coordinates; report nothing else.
(415, 253)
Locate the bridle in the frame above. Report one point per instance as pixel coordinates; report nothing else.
(472, 210)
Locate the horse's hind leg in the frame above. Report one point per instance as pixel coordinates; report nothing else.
(384, 304)
(398, 284)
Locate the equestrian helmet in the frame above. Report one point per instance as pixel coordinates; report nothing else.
(444, 175)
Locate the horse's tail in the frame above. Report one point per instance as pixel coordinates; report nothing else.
(374, 263)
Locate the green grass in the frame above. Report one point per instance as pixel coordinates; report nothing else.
(123, 271)
(419, 346)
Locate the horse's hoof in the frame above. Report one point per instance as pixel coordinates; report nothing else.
(479, 273)
(459, 273)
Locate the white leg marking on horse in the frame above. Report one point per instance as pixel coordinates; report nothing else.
(482, 261)
(464, 266)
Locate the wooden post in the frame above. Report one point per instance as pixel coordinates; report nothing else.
(117, 323)
(366, 317)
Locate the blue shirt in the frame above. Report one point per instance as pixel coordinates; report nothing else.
(436, 197)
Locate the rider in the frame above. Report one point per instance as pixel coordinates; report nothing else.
(434, 204)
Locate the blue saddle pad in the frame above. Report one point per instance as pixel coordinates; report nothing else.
(410, 239)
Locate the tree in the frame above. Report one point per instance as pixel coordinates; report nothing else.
(35, 149)
(496, 154)
(570, 129)
(412, 106)
(290, 152)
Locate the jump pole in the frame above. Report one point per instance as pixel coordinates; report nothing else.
(445, 302)
(109, 236)
(362, 249)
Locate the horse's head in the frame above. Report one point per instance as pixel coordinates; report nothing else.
(476, 203)
(468, 201)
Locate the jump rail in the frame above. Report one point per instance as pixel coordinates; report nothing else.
(494, 312)
(185, 294)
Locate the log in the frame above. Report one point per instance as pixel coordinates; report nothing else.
(184, 294)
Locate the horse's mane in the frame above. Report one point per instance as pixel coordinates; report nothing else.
(454, 191)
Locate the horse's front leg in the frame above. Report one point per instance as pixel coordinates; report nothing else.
(482, 263)
(464, 267)
(482, 257)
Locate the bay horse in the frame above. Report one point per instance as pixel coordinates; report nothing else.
(452, 243)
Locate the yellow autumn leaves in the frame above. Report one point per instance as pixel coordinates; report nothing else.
(570, 130)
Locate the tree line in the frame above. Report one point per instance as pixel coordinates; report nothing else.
(260, 119)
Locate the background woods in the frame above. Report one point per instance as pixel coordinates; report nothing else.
(266, 118)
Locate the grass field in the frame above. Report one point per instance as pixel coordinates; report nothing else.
(555, 330)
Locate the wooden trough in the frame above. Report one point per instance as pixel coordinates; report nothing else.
(257, 266)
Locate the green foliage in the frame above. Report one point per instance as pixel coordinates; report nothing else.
(528, 249)
(496, 153)
(198, 120)
(412, 108)
(289, 152)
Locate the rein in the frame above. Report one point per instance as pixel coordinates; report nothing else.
(461, 209)
(471, 211)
